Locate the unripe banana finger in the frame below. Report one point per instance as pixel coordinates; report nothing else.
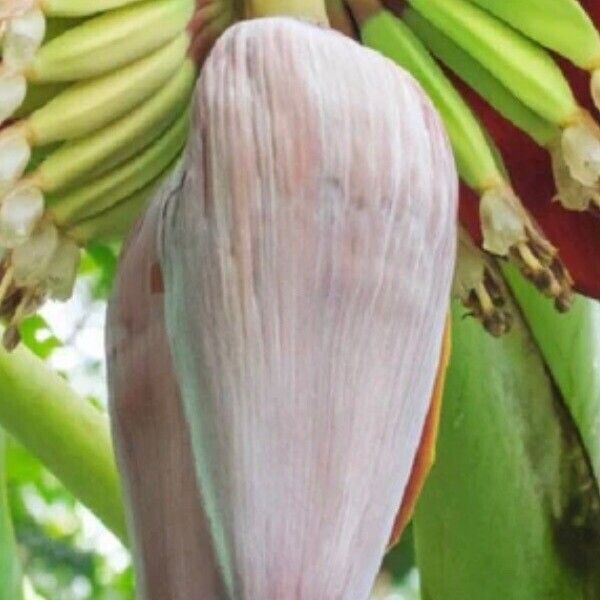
(91, 104)
(527, 71)
(572, 193)
(114, 223)
(90, 156)
(480, 79)
(37, 96)
(522, 66)
(96, 154)
(580, 135)
(99, 195)
(110, 41)
(560, 25)
(77, 8)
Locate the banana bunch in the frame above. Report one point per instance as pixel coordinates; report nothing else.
(93, 113)
(528, 72)
(572, 193)
(562, 26)
(508, 230)
(512, 71)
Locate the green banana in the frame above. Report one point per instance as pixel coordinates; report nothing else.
(560, 25)
(480, 79)
(99, 152)
(77, 8)
(528, 72)
(36, 97)
(101, 113)
(508, 230)
(74, 49)
(109, 41)
(92, 104)
(87, 157)
(110, 189)
(571, 193)
(524, 68)
(113, 223)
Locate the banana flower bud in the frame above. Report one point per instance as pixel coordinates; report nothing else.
(307, 259)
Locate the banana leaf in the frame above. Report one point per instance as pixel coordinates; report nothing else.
(511, 508)
(10, 569)
(570, 345)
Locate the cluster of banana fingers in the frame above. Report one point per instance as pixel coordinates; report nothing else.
(501, 48)
(93, 111)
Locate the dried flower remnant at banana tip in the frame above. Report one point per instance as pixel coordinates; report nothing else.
(477, 283)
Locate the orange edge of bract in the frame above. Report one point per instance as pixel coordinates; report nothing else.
(425, 456)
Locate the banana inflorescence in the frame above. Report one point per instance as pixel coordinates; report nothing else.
(93, 112)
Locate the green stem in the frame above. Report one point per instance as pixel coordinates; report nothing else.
(68, 434)
(10, 568)
(312, 10)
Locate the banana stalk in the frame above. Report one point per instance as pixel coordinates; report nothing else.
(66, 432)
